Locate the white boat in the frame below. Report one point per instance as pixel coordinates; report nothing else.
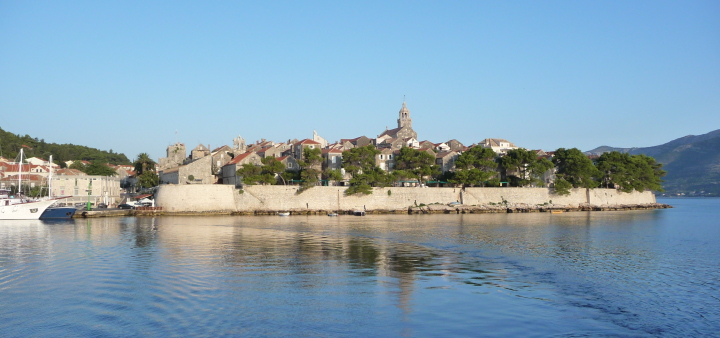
(23, 210)
(18, 207)
(283, 214)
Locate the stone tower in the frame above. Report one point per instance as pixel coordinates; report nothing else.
(239, 145)
(175, 156)
(404, 119)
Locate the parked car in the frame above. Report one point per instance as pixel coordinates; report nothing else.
(126, 206)
(102, 205)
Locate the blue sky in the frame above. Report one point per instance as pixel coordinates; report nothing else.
(137, 76)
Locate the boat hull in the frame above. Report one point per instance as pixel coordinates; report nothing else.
(29, 210)
(58, 213)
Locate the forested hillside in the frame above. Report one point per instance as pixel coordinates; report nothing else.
(692, 163)
(10, 146)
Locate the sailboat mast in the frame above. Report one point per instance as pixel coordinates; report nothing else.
(20, 174)
(50, 178)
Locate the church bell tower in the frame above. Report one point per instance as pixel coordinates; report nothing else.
(404, 119)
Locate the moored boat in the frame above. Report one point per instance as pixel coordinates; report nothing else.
(18, 206)
(58, 213)
(23, 210)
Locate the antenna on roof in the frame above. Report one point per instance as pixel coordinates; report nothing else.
(176, 136)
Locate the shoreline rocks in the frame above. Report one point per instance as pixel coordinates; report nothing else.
(525, 208)
(412, 210)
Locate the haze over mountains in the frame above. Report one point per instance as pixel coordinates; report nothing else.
(692, 163)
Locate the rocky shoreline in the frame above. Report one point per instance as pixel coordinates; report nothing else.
(421, 209)
(525, 208)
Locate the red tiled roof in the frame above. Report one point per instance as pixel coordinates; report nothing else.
(26, 177)
(239, 158)
(307, 141)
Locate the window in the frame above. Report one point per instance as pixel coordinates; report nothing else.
(390, 157)
(382, 157)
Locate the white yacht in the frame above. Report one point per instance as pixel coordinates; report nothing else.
(19, 207)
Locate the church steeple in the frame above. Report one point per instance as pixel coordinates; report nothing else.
(404, 119)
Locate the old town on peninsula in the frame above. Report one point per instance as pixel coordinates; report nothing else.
(357, 171)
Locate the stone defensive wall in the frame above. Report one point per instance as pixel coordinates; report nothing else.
(258, 199)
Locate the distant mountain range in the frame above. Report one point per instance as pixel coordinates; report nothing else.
(692, 163)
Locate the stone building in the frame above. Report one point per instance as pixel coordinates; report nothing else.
(498, 145)
(239, 145)
(272, 151)
(220, 157)
(195, 172)
(356, 142)
(404, 129)
(300, 145)
(455, 145)
(446, 160)
(332, 159)
(81, 188)
(175, 157)
(386, 159)
(199, 152)
(290, 163)
(317, 138)
(229, 170)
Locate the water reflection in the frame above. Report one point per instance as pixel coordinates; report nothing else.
(409, 274)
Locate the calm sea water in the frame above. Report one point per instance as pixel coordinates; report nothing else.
(637, 273)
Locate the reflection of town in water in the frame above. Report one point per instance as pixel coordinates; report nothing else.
(393, 252)
(405, 272)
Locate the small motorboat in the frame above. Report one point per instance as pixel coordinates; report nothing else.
(283, 213)
(333, 214)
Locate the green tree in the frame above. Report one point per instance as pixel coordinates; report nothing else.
(360, 163)
(250, 173)
(358, 159)
(312, 158)
(650, 172)
(78, 165)
(148, 179)
(273, 167)
(96, 168)
(562, 187)
(576, 168)
(627, 172)
(523, 167)
(419, 162)
(474, 167)
(333, 175)
(310, 168)
(144, 163)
